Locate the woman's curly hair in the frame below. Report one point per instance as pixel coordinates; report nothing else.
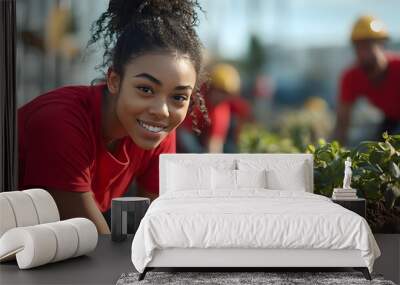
(130, 28)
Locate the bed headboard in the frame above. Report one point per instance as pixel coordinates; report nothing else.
(235, 159)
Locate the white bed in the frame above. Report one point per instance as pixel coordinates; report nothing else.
(267, 216)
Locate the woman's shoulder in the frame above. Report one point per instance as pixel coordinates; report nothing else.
(74, 99)
(73, 94)
(75, 107)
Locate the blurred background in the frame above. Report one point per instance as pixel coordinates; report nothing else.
(289, 55)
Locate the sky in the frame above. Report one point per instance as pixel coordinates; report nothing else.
(228, 24)
(226, 27)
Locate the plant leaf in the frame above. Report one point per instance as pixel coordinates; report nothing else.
(394, 169)
(325, 156)
(368, 144)
(377, 156)
(391, 194)
(311, 148)
(391, 148)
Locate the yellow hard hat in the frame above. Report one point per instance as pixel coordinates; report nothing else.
(368, 28)
(314, 103)
(225, 77)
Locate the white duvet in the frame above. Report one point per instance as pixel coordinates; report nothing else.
(252, 218)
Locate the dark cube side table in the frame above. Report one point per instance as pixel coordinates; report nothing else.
(356, 205)
(119, 215)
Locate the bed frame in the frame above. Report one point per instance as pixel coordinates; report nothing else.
(244, 259)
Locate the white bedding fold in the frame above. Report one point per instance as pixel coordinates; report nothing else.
(251, 218)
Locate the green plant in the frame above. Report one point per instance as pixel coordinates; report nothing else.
(376, 169)
(328, 166)
(376, 175)
(255, 139)
(376, 172)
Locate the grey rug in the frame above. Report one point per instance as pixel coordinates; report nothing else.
(268, 278)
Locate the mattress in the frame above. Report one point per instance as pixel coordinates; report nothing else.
(250, 218)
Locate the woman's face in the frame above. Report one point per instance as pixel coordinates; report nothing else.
(153, 96)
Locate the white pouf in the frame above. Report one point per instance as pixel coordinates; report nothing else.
(45, 205)
(40, 244)
(7, 218)
(23, 208)
(31, 230)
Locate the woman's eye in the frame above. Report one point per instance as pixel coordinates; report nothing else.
(145, 89)
(180, 98)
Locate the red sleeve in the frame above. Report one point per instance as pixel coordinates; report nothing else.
(220, 118)
(58, 152)
(348, 93)
(149, 179)
(240, 107)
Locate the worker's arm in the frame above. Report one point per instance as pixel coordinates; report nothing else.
(343, 117)
(349, 91)
(220, 117)
(215, 145)
(80, 204)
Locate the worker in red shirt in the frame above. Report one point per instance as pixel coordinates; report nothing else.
(223, 86)
(375, 75)
(85, 144)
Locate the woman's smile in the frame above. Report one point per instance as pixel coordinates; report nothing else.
(152, 127)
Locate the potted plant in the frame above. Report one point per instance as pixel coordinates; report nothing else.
(376, 176)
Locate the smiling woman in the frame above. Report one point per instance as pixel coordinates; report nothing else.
(85, 144)
(152, 100)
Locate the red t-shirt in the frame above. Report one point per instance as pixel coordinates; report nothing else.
(61, 148)
(219, 121)
(385, 95)
(219, 116)
(240, 108)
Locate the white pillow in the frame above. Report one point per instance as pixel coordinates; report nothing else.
(283, 174)
(223, 179)
(187, 177)
(295, 180)
(251, 178)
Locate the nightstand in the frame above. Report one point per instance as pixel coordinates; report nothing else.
(356, 205)
(119, 215)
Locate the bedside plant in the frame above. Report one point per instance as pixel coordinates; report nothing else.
(376, 176)
(328, 166)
